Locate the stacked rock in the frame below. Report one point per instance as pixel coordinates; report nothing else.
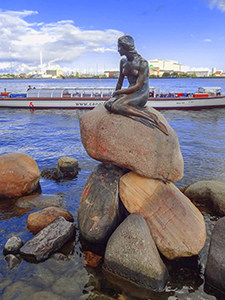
(139, 167)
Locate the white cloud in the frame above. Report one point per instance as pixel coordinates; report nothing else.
(218, 3)
(207, 40)
(61, 42)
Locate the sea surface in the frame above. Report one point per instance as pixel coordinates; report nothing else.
(47, 135)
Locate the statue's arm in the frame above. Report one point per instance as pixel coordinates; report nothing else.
(121, 76)
(140, 80)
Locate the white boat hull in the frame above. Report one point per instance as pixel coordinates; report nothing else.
(90, 103)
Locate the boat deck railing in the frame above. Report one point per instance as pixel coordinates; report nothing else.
(71, 92)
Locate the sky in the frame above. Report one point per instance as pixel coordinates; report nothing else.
(81, 36)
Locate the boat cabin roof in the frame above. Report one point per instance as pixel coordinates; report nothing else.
(67, 92)
(212, 90)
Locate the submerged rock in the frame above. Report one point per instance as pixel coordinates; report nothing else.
(132, 253)
(19, 175)
(12, 261)
(176, 225)
(32, 202)
(208, 192)
(42, 218)
(99, 211)
(48, 240)
(122, 141)
(13, 245)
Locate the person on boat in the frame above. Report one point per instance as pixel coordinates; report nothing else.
(130, 101)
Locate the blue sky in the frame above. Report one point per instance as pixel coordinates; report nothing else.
(82, 35)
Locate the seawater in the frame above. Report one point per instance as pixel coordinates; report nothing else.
(46, 135)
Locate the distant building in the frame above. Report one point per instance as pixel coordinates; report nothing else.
(199, 73)
(54, 73)
(165, 65)
(218, 73)
(112, 74)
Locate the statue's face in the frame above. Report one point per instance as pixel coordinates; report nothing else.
(121, 49)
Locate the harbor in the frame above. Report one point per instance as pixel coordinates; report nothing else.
(46, 135)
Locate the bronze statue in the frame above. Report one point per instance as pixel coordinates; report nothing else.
(131, 101)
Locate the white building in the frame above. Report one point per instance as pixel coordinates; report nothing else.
(165, 65)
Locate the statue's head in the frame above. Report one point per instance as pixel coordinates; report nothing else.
(127, 42)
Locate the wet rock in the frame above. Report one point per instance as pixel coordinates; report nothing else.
(176, 225)
(44, 295)
(99, 211)
(208, 192)
(122, 141)
(132, 253)
(92, 259)
(71, 286)
(50, 173)
(32, 202)
(48, 240)
(67, 167)
(18, 290)
(60, 256)
(12, 261)
(19, 175)
(42, 218)
(13, 245)
(215, 267)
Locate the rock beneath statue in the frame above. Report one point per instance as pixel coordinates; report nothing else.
(176, 225)
(99, 211)
(42, 218)
(13, 245)
(32, 202)
(67, 167)
(131, 252)
(209, 193)
(215, 267)
(48, 240)
(19, 175)
(127, 143)
(12, 261)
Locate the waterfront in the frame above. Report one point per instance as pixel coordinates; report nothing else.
(46, 135)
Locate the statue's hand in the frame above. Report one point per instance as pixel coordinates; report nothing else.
(115, 93)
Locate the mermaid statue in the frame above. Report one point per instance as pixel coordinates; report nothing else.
(131, 101)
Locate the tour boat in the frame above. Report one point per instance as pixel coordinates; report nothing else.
(88, 98)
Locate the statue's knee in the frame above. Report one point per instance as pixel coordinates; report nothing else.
(108, 105)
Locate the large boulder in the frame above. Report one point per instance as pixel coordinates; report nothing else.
(99, 210)
(215, 267)
(48, 240)
(127, 143)
(19, 175)
(176, 225)
(211, 193)
(42, 218)
(131, 252)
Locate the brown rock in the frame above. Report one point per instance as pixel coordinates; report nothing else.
(42, 218)
(19, 175)
(92, 259)
(176, 225)
(130, 144)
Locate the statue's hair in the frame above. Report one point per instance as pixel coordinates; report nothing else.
(127, 41)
